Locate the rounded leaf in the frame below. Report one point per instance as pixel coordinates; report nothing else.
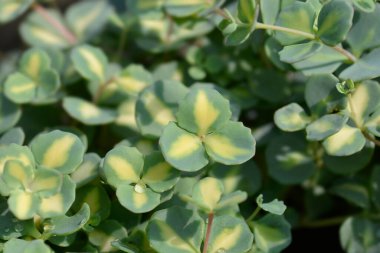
(291, 117)
(10, 9)
(134, 79)
(107, 232)
(10, 113)
(137, 198)
(23, 204)
(46, 182)
(325, 126)
(16, 175)
(87, 171)
(207, 193)
(22, 246)
(19, 88)
(232, 143)
(58, 150)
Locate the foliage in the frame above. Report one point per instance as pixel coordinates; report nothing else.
(130, 126)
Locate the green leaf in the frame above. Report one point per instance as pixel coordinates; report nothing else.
(176, 230)
(87, 18)
(59, 203)
(374, 186)
(122, 165)
(246, 11)
(299, 16)
(299, 52)
(156, 106)
(207, 193)
(23, 204)
(46, 182)
(367, 67)
(291, 118)
(203, 110)
(10, 113)
(272, 233)
(158, 174)
(22, 246)
(66, 225)
(287, 159)
(133, 79)
(373, 123)
(107, 232)
(10, 9)
(325, 126)
(275, 206)
(231, 199)
(353, 192)
(230, 234)
(365, 5)
(183, 150)
(238, 36)
(90, 62)
(232, 143)
(19, 88)
(87, 171)
(357, 234)
(269, 10)
(14, 135)
(365, 33)
(137, 198)
(88, 113)
(185, 8)
(58, 150)
(334, 21)
(347, 141)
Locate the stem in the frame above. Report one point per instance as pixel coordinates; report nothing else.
(100, 90)
(208, 232)
(66, 33)
(253, 215)
(284, 29)
(370, 138)
(120, 47)
(344, 52)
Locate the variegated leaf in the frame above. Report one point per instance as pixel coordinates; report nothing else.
(229, 234)
(58, 150)
(15, 135)
(24, 246)
(126, 114)
(88, 113)
(325, 126)
(17, 175)
(134, 79)
(203, 110)
(87, 171)
(123, 165)
(180, 8)
(46, 182)
(90, 62)
(207, 193)
(10, 9)
(182, 149)
(137, 198)
(156, 106)
(10, 113)
(233, 143)
(159, 175)
(176, 230)
(291, 117)
(23, 204)
(373, 123)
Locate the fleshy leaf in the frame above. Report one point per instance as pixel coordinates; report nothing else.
(325, 126)
(291, 117)
(46, 182)
(58, 150)
(229, 234)
(367, 67)
(299, 52)
(246, 11)
(15, 135)
(16, 175)
(231, 199)
(207, 193)
(176, 230)
(23, 204)
(134, 79)
(156, 106)
(88, 113)
(90, 62)
(275, 206)
(182, 149)
(203, 111)
(238, 36)
(16, 152)
(347, 141)
(10, 9)
(183, 9)
(365, 5)
(66, 225)
(123, 165)
(10, 113)
(19, 88)
(87, 171)
(233, 143)
(373, 123)
(355, 193)
(334, 21)
(158, 174)
(22, 246)
(137, 198)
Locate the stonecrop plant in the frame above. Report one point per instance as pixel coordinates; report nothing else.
(175, 126)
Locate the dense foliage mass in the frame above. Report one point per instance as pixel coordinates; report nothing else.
(164, 125)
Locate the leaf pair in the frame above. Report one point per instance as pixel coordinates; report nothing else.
(203, 126)
(139, 182)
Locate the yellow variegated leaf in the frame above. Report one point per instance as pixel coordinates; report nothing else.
(16, 175)
(23, 204)
(137, 198)
(46, 182)
(15, 152)
(207, 193)
(10, 9)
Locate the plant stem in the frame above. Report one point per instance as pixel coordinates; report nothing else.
(370, 138)
(285, 29)
(346, 53)
(100, 90)
(253, 215)
(66, 33)
(120, 47)
(208, 232)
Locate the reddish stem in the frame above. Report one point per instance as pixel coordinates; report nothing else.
(66, 33)
(208, 232)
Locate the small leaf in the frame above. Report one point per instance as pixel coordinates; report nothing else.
(134, 79)
(347, 141)
(183, 9)
(367, 67)
(22, 246)
(354, 193)
(291, 118)
(16, 175)
(10, 113)
(107, 232)
(207, 193)
(275, 206)
(66, 225)
(87, 171)
(231, 199)
(58, 150)
(230, 234)
(325, 126)
(15, 135)
(23, 204)
(183, 150)
(231, 144)
(365, 5)
(334, 21)
(46, 182)
(176, 230)
(10, 9)
(373, 123)
(137, 198)
(90, 62)
(272, 233)
(246, 11)
(238, 36)
(299, 52)
(203, 110)
(88, 113)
